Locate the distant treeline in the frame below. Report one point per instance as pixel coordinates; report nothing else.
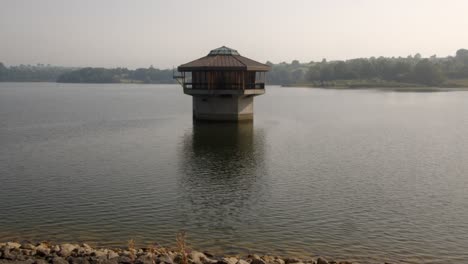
(32, 73)
(412, 70)
(117, 75)
(48, 73)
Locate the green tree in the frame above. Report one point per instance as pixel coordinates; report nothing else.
(462, 54)
(313, 73)
(427, 73)
(342, 71)
(3, 72)
(401, 70)
(297, 75)
(327, 72)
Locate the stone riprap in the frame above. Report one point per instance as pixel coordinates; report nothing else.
(47, 253)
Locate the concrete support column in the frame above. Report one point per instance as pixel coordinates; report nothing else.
(223, 107)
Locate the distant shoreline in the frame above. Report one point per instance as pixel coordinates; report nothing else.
(386, 88)
(396, 88)
(449, 85)
(172, 83)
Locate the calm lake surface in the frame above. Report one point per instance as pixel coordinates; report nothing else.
(362, 175)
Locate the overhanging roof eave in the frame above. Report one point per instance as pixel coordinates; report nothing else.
(258, 68)
(208, 68)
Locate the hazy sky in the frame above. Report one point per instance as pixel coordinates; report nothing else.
(140, 33)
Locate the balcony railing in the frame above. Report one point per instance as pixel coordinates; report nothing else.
(224, 86)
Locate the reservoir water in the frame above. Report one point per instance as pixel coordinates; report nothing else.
(363, 175)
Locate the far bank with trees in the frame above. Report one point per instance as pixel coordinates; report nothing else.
(410, 71)
(451, 71)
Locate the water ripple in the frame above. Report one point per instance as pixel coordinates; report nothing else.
(363, 176)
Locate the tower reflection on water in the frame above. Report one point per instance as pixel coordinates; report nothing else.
(223, 150)
(222, 182)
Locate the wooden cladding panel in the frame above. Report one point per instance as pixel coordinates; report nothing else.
(222, 79)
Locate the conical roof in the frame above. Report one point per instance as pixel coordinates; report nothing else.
(223, 59)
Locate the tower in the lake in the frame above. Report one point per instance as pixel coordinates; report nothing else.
(223, 85)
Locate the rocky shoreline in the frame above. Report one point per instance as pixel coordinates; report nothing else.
(47, 253)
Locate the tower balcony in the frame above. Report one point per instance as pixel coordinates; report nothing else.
(224, 89)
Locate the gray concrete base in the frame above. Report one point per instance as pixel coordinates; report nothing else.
(222, 117)
(223, 107)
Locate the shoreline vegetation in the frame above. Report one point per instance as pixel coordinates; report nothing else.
(411, 72)
(48, 253)
(449, 85)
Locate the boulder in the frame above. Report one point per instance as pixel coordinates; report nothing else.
(322, 261)
(257, 261)
(279, 261)
(209, 261)
(28, 261)
(197, 257)
(228, 260)
(59, 260)
(254, 256)
(77, 260)
(268, 259)
(100, 254)
(40, 261)
(178, 259)
(42, 250)
(43, 244)
(12, 245)
(112, 254)
(55, 249)
(21, 257)
(292, 260)
(66, 250)
(145, 259)
(28, 252)
(82, 251)
(241, 261)
(125, 260)
(111, 261)
(28, 246)
(9, 254)
(86, 246)
(165, 259)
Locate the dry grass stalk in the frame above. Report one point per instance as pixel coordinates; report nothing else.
(152, 250)
(131, 249)
(182, 246)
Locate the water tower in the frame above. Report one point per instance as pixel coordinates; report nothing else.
(223, 85)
